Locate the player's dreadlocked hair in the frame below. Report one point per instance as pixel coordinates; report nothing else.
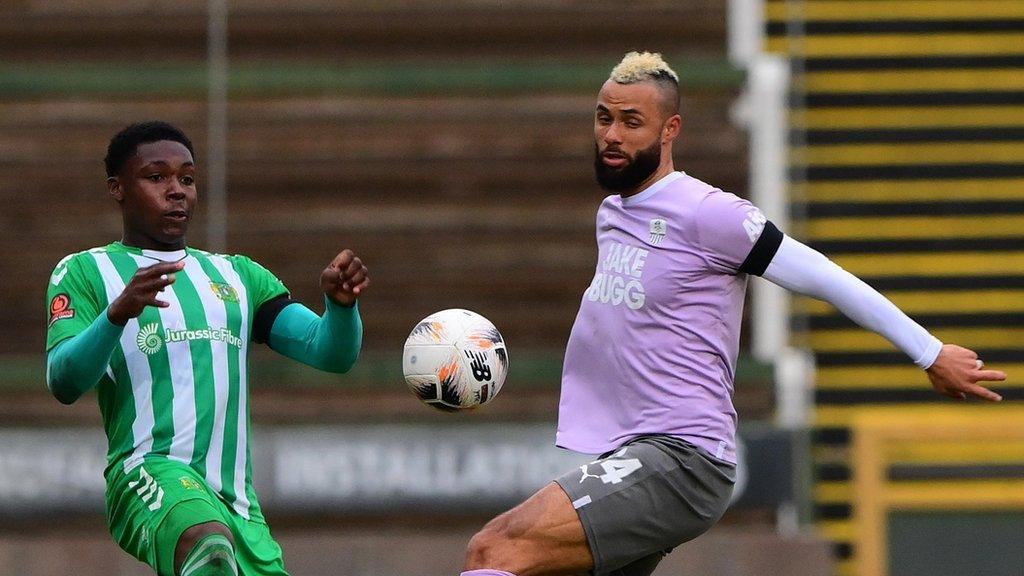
(124, 144)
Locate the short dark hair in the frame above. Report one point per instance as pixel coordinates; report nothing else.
(125, 143)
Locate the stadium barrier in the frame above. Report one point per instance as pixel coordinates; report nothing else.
(939, 491)
(368, 468)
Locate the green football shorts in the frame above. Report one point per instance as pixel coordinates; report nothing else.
(150, 507)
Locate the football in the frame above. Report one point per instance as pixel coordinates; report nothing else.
(455, 359)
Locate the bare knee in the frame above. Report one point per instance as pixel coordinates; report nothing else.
(540, 536)
(191, 536)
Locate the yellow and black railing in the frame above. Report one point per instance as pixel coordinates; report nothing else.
(907, 169)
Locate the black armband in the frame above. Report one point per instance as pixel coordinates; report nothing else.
(266, 315)
(763, 251)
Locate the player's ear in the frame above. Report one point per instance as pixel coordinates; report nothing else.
(670, 130)
(115, 189)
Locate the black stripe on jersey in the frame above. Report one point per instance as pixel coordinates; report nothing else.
(831, 247)
(266, 315)
(937, 98)
(906, 172)
(763, 251)
(905, 135)
(828, 27)
(912, 63)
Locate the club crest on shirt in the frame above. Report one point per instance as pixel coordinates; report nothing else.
(659, 227)
(225, 292)
(60, 308)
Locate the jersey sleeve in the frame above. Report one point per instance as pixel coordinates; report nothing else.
(261, 283)
(734, 235)
(74, 296)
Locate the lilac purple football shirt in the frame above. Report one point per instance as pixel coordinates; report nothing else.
(654, 346)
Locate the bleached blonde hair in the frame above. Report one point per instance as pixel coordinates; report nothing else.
(640, 66)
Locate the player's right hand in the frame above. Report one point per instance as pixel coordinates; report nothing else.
(957, 373)
(142, 291)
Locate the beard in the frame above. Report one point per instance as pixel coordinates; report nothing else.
(628, 177)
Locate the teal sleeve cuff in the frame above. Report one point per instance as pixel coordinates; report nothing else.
(75, 365)
(330, 342)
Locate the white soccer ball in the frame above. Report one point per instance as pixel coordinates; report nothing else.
(455, 359)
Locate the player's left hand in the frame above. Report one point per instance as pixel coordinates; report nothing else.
(957, 371)
(345, 278)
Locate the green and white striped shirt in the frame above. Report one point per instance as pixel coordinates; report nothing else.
(176, 385)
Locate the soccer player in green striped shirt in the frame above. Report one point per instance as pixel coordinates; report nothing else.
(162, 331)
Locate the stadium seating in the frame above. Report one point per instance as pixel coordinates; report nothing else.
(450, 146)
(460, 170)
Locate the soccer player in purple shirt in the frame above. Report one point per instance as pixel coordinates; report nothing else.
(648, 374)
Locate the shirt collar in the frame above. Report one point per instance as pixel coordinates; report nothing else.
(652, 189)
(163, 256)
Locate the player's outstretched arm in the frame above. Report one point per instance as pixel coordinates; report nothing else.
(953, 371)
(330, 342)
(75, 365)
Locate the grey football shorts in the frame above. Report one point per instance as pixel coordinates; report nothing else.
(638, 502)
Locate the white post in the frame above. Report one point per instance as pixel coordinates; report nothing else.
(794, 386)
(763, 109)
(746, 31)
(217, 126)
(767, 89)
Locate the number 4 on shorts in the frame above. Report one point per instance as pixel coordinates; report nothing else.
(616, 470)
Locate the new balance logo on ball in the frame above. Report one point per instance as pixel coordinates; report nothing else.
(481, 371)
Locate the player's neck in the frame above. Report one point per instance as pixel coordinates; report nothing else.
(147, 243)
(663, 170)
